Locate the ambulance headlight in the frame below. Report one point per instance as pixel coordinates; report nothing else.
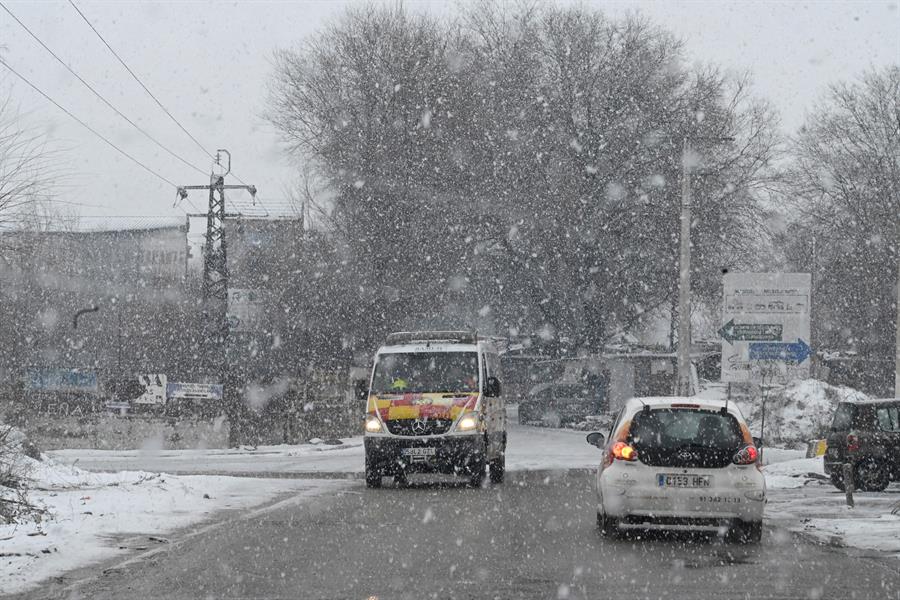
(468, 422)
(373, 424)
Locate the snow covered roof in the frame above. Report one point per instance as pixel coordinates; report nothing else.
(869, 400)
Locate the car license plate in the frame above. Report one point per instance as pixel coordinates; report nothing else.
(686, 480)
(418, 451)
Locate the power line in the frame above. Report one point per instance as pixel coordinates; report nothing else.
(255, 197)
(141, 83)
(152, 95)
(96, 93)
(85, 125)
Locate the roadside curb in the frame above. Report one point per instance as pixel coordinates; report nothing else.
(881, 556)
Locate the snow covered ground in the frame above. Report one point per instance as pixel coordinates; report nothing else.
(92, 517)
(802, 499)
(129, 505)
(795, 414)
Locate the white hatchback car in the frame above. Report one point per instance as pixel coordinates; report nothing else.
(680, 464)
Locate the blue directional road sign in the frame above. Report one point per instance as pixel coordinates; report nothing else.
(796, 352)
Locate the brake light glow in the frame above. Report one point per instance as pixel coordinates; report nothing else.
(746, 455)
(685, 405)
(623, 451)
(852, 442)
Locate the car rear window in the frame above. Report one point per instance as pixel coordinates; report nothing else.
(677, 428)
(678, 437)
(843, 417)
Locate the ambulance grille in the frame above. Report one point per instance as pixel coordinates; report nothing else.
(419, 426)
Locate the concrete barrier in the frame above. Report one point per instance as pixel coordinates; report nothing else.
(103, 432)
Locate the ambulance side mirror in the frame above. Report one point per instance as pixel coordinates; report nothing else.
(361, 389)
(492, 387)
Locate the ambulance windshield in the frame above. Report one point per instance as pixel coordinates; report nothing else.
(423, 372)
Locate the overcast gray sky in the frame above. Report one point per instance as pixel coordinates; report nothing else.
(208, 62)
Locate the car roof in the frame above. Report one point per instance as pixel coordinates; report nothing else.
(635, 404)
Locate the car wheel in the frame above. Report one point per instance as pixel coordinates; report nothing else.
(373, 479)
(608, 526)
(837, 481)
(373, 474)
(871, 476)
(498, 468)
(746, 532)
(476, 475)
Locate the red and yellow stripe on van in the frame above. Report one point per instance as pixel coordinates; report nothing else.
(421, 406)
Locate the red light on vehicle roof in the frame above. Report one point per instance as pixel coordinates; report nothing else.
(681, 405)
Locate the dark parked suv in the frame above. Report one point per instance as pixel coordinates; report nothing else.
(867, 435)
(555, 404)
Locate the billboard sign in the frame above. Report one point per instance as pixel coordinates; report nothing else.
(245, 309)
(154, 390)
(765, 327)
(194, 391)
(51, 379)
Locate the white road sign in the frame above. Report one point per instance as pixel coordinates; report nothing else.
(245, 310)
(765, 327)
(154, 389)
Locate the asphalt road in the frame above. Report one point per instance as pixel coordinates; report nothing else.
(529, 448)
(532, 537)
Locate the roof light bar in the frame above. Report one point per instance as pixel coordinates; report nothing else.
(456, 337)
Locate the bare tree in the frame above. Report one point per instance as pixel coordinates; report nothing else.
(522, 161)
(26, 174)
(844, 187)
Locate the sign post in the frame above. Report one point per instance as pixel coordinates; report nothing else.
(765, 317)
(765, 320)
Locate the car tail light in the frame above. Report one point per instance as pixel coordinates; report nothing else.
(623, 451)
(746, 455)
(852, 442)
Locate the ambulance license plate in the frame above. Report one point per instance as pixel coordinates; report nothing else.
(418, 451)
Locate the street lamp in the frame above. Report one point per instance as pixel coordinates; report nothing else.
(83, 311)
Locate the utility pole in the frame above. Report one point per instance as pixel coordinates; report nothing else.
(215, 252)
(684, 280)
(897, 346)
(215, 280)
(683, 386)
(215, 257)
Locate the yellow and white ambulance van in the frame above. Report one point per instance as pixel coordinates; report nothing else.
(434, 404)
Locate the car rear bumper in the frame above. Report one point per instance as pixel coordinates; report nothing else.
(632, 494)
(452, 454)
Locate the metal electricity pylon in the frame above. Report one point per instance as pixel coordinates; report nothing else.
(215, 255)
